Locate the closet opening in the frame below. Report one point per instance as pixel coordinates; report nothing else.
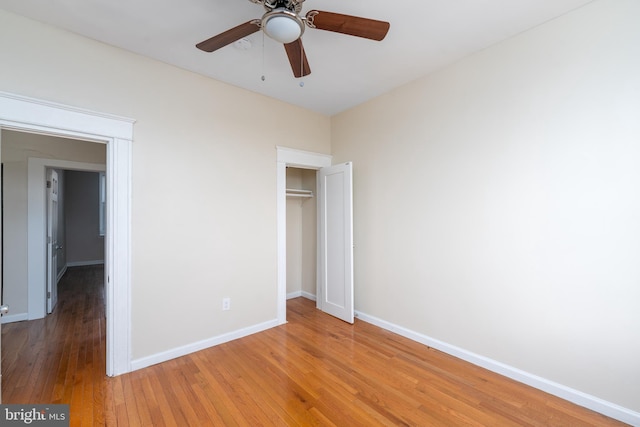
(302, 233)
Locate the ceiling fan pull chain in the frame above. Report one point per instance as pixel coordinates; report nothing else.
(283, 23)
(263, 78)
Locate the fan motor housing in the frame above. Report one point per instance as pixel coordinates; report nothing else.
(282, 25)
(292, 5)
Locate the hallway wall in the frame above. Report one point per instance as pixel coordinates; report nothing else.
(16, 148)
(85, 245)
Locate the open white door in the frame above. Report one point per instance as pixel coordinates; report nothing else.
(335, 241)
(52, 240)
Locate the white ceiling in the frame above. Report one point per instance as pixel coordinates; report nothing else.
(345, 71)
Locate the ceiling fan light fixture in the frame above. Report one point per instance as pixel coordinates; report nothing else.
(282, 25)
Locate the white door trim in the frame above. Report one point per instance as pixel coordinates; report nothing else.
(299, 159)
(34, 115)
(36, 227)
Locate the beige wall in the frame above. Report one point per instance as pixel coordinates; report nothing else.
(497, 205)
(17, 148)
(14, 216)
(203, 177)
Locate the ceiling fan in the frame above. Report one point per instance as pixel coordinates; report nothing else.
(284, 23)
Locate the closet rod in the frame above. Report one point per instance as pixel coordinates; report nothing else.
(294, 192)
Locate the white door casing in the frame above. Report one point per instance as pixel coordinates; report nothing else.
(38, 116)
(288, 157)
(37, 226)
(335, 243)
(52, 240)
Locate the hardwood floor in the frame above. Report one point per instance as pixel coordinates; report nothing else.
(61, 358)
(315, 370)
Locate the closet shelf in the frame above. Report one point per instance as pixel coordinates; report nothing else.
(294, 192)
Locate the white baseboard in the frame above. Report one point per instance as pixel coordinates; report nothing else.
(83, 263)
(200, 345)
(307, 295)
(292, 295)
(303, 294)
(10, 318)
(579, 398)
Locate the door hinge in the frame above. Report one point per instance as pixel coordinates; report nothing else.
(48, 184)
(48, 295)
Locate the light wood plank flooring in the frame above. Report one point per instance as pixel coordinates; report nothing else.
(315, 370)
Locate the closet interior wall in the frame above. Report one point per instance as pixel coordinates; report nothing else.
(301, 234)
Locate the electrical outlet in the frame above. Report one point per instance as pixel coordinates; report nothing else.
(226, 304)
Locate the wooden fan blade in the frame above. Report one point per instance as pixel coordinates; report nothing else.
(229, 36)
(346, 24)
(297, 58)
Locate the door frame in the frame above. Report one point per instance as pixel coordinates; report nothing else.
(298, 159)
(36, 228)
(39, 116)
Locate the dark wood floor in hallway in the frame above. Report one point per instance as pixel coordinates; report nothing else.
(315, 370)
(61, 358)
